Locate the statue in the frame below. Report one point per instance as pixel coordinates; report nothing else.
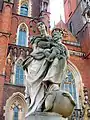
(45, 69)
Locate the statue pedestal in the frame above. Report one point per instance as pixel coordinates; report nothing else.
(45, 116)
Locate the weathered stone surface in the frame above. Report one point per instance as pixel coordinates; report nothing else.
(45, 116)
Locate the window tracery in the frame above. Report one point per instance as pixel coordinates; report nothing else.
(16, 107)
(19, 73)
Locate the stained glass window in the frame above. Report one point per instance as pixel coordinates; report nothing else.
(19, 76)
(16, 113)
(24, 10)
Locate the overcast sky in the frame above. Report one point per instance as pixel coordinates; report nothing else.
(57, 10)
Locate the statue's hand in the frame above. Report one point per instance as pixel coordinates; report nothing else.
(49, 60)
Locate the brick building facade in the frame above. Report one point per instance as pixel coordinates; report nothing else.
(18, 20)
(77, 20)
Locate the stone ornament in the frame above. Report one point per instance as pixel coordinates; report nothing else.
(45, 69)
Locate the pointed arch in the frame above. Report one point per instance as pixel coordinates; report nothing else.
(15, 103)
(22, 35)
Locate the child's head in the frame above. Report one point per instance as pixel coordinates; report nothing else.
(57, 34)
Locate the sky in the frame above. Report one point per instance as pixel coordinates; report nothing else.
(57, 10)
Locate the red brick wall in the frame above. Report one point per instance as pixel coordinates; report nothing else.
(5, 28)
(0, 19)
(13, 29)
(85, 42)
(83, 66)
(3, 52)
(6, 18)
(16, 6)
(16, 21)
(74, 48)
(68, 13)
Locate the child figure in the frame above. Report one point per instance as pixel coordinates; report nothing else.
(57, 49)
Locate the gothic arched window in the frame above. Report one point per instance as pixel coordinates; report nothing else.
(19, 74)
(16, 107)
(16, 110)
(69, 85)
(24, 9)
(22, 37)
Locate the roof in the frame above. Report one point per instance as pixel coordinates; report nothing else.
(69, 36)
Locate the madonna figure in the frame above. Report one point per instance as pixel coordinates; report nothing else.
(45, 67)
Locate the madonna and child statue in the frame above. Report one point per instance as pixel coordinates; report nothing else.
(45, 70)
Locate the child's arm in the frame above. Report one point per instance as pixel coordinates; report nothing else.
(43, 44)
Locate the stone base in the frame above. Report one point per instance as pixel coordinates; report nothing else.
(45, 116)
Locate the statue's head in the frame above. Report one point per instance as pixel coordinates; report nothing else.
(41, 27)
(57, 34)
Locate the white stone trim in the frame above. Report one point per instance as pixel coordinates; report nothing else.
(76, 53)
(30, 8)
(19, 6)
(77, 44)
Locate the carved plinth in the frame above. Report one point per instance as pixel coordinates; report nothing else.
(45, 116)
